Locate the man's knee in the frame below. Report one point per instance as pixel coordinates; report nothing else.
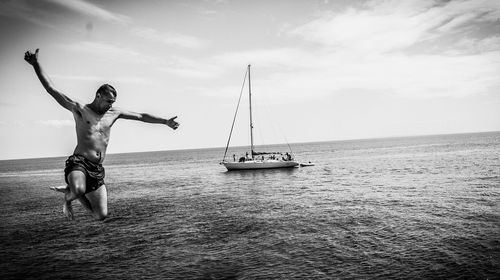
(75, 191)
(77, 183)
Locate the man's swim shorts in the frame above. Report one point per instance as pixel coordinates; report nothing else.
(94, 172)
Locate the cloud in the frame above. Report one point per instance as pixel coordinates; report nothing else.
(111, 52)
(384, 26)
(176, 65)
(186, 71)
(120, 79)
(190, 68)
(13, 124)
(40, 13)
(278, 57)
(457, 22)
(293, 74)
(56, 123)
(373, 29)
(21, 10)
(169, 38)
(89, 9)
(409, 49)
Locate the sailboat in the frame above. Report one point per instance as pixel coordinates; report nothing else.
(256, 160)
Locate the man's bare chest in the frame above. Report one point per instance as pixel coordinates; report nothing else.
(93, 123)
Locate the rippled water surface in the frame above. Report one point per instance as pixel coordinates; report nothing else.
(400, 208)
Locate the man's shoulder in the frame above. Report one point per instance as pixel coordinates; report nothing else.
(78, 108)
(115, 110)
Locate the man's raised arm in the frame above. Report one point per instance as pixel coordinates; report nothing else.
(143, 117)
(66, 102)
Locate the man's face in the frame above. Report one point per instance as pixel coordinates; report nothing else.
(105, 102)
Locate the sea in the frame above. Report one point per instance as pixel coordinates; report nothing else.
(425, 207)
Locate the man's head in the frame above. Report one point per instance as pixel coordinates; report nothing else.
(104, 98)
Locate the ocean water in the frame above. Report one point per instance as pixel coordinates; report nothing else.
(398, 208)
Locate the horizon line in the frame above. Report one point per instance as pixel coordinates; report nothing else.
(275, 144)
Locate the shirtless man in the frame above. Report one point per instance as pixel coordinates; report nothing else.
(84, 173)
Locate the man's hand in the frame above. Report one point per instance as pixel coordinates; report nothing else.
(172, 123)
(30, 57)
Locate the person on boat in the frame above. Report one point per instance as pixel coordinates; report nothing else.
(84, 173)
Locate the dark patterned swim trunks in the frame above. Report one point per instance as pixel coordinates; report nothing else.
(94, 172)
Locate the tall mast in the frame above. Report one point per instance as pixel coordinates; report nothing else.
(250, 101)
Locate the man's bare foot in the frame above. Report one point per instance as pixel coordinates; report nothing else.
(68, 210)
(63, 189)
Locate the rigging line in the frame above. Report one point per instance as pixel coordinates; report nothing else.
(286, 140)
(257, 115)
(289, 147)
(279, 128)
(269, 118)
(235, 113)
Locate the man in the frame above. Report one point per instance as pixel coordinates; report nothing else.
(84, 173)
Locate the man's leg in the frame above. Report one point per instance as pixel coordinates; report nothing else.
(63, 189)
(83, 199)
(76, 189)
(98, 200)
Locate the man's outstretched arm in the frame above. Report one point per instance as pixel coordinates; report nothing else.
(63, 100)
(143, 117)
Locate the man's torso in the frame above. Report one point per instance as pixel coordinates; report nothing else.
(93, 132)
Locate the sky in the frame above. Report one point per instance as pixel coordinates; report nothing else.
(321, 70)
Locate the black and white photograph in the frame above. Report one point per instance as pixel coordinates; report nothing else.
(239, 139)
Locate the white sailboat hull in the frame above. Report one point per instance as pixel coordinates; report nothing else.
(252, 165)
